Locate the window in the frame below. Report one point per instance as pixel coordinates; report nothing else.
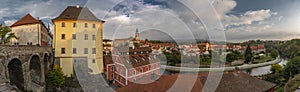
(63, 24)
(86, 51)
(93, 50)
(86, 25)
(112, 68)
(74, 51)
(147, 68)
(63, 36)
(94, 61)
(94, 26)
(74, 25)
(74, 36)
(112, 76)
(134, 79)
(141, 70)
(134, 72)
(121, 79)
(94, 37)
(86, 36)
(63, 50)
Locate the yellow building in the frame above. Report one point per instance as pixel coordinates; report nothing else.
(78, 38)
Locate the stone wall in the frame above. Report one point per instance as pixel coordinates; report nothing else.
(24, 54)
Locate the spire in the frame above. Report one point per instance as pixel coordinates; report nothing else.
(137, 38)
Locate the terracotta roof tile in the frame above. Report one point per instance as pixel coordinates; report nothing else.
(230, 82)
(27, 19)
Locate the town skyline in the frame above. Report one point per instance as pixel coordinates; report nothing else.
(241, 22)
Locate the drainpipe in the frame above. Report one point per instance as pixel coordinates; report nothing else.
(38, 29)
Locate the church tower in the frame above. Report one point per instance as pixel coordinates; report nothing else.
(137, 37)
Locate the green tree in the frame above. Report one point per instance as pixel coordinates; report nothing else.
(230, 57)
(136, 44)
(56, 77)
(292, 68)
(5, 34)
(274, 53)
(276, 68)
(248, 55)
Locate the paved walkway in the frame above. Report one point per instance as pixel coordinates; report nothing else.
(243, 67)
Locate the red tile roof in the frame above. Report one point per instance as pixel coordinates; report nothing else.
(163, 84)
(230, 82)
(27, 19)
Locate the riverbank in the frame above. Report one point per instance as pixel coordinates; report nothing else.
(243, 67)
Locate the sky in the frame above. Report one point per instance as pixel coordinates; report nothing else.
(230, 20)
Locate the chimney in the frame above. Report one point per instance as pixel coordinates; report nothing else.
(77, 6)
(38, 18)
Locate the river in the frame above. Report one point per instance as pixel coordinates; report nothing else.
(265, 69)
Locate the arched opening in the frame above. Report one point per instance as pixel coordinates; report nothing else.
(35, 69)
(15, 71)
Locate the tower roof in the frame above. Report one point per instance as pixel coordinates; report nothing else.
(27, 19)
(77, 13)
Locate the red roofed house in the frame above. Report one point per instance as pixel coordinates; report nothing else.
(31, 31)
(127, 65)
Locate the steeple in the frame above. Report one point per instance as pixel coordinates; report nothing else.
(137, 37)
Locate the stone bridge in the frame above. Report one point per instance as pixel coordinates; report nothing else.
(25, 66)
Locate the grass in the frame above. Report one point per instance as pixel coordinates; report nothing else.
(264, 59)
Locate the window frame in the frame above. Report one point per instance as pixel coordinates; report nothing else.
(63, 24)
(86, 36)
(86, 25)
(74, 37)
(74, 51)
(86, 51)
(63, 50)
(63, 36)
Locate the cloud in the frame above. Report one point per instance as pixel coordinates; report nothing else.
(247, 18)
(9, 22)
(167, 15)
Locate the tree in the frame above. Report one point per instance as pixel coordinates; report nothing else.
(248, 55)
(136, 44)
(276, 68)
(5, 34)
(230, 57)
(274, 53)
(292, 68)
(56, 77)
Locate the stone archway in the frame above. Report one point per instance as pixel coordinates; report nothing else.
(15, 71)
(35, 69)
